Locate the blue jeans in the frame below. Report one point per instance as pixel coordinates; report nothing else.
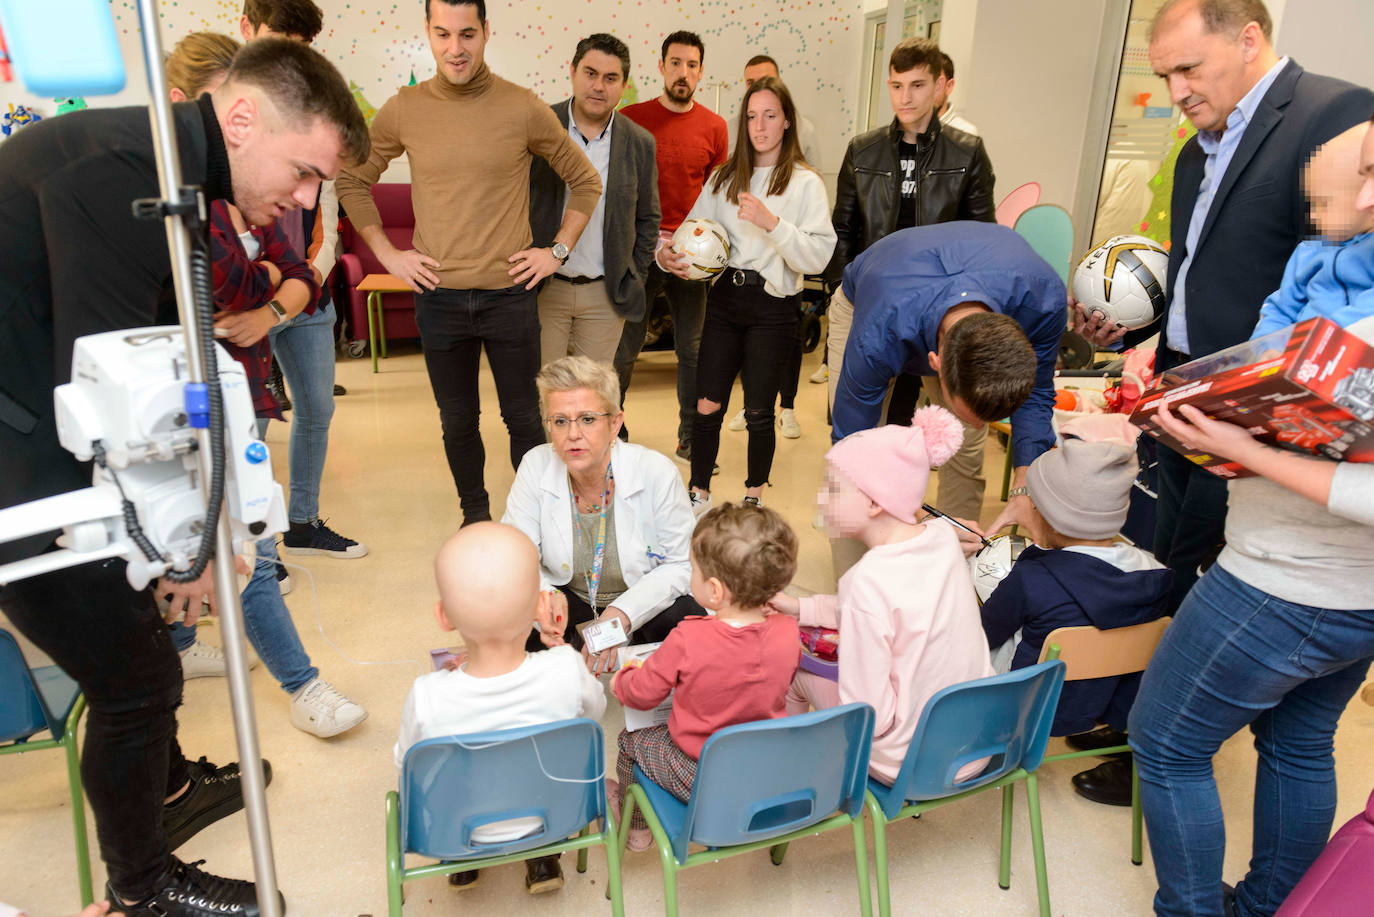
(304, 346)
(1237, 656)
(268, 624)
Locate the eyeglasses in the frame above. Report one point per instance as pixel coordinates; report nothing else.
(585, 420)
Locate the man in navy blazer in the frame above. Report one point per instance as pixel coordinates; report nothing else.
(1238, 212)
(584, 304)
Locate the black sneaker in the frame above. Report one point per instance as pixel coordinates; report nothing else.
(215, 792)
(189, 892)
(318, 538)
(543, 874)
(339, 390)
(283, 579)
(465, 879)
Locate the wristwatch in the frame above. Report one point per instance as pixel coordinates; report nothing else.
(278, 309)
(1017, 492)
(560, 251)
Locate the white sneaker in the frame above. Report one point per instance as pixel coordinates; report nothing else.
(821, 375)
(200, 660)
(737, 422)
(787, 424)
(320, 710)
(700, 504)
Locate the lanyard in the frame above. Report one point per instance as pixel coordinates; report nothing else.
(593, 578)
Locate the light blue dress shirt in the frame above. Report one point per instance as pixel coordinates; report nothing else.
(588, 258)
(1219, 148)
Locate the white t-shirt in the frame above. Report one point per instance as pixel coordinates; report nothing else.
(548, 686)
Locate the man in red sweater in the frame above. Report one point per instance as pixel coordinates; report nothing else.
(691, 141)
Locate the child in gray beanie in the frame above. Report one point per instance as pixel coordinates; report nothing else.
(1077, 573)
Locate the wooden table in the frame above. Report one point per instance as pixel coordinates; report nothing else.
(374, 285)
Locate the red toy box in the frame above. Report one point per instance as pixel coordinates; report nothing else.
(1308, 388)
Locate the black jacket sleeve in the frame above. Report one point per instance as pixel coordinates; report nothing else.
(848, 222)
(978, 202)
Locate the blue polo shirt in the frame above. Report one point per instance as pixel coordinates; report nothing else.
(902, 286)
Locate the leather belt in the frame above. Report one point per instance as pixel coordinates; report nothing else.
(741, 278)
(578, 281)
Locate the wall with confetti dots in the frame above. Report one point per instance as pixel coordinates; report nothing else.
(380, 44)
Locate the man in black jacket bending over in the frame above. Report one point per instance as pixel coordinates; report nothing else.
(914, 172)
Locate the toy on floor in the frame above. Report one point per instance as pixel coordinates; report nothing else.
(17, 117)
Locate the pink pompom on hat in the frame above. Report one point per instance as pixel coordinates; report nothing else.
(892, 464)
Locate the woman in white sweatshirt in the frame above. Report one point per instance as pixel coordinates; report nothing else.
(774, 209)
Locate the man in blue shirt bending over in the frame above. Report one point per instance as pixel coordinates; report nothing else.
(974, 311)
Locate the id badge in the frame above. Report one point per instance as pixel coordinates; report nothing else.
(602, 635)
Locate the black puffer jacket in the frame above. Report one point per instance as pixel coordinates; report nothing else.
(954, 183)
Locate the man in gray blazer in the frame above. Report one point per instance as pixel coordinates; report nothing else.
(584, 304)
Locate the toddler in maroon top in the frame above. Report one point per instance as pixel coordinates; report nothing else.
(733, 667)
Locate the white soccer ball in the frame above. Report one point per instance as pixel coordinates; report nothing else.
(992, 564)
(706, 245)
(1122, 281)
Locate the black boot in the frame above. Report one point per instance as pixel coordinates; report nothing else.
(1109, 783)
(1102, 737)
(543, 874)
(185, 891)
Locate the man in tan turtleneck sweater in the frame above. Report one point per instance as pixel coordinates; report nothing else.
(469, 136)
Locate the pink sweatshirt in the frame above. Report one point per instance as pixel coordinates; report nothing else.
(909, 626)
(723, 675)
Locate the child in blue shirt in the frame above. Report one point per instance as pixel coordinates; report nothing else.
(1331, 276)
(1078, 574)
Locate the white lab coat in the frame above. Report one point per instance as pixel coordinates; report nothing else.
(653, 524)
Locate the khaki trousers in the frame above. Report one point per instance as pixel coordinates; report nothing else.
(961, 483)
(577, 318)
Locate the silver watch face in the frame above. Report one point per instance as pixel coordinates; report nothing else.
(560, 251)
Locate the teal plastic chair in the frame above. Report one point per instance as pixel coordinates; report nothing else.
(1091, 653)
(1049, 230)
(1005, 718)
(763, 784)
(45, 699)
(453, 785)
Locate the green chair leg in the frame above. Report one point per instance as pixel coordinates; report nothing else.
(582, 853)
(83, 852)
(1042, 881)
(879, 853)
(1137, 840)
(777, 853)
(1006, 473)
(861, 867)
(614, 888)
(372, 304)
(394, 858)
(381, 327)
(669, 882)
(1004, 865)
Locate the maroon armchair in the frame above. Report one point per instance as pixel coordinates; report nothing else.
(357, 261)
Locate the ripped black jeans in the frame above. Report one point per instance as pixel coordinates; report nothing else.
(745, 328)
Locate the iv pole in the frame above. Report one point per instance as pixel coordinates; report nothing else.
(226, 587)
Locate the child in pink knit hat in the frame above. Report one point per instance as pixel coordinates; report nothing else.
(906, 612)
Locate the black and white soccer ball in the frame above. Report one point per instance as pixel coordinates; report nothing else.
(1123, 281)
(992, 564)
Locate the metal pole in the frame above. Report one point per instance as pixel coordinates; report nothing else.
(226, 587)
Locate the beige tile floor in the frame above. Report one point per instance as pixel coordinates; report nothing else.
(367, 624)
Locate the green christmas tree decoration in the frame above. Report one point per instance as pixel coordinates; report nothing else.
(1156, 223)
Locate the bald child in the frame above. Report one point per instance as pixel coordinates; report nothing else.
(1331, 276)
(488, 578)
